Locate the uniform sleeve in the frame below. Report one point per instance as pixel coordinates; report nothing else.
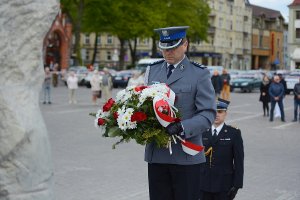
(238, 156)
(205, 108)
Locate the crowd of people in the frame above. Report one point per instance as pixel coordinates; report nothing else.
(273, 92)
(101, 85)
(221, 84)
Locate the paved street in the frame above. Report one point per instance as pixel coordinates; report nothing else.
(87, 168)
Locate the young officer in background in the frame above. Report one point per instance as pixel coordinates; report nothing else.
(222, 175)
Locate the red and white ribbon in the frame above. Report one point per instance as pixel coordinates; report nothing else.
(190, 148)
(165, 114)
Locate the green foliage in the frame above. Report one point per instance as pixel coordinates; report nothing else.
(129, 19)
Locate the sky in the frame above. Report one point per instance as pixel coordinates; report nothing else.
(280, 5)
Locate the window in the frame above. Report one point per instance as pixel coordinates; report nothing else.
(297, 14)
(99, 39)
(260, 41)
(298, 33)
(108, 55)
(221, 22)
(87, 39)
(87, 55)
(109, 39)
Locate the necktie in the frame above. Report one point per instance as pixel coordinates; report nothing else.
(170, 68)
(215, 134)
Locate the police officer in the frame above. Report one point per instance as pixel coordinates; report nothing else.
(176, 176)
(222, 174)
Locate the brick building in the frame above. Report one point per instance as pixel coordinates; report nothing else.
(57, 42)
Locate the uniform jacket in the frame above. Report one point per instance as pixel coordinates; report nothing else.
(224, 165)
(195, 100)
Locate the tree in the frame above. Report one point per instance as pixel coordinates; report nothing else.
(75, 10)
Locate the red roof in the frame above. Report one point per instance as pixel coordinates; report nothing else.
(295, 3)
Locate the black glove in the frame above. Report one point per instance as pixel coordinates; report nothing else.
(232, 192)
(174, 128)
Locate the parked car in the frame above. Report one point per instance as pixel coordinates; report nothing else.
(291, 80)
(80, 71)
(246, 81)
(121, 78)
(143, 63)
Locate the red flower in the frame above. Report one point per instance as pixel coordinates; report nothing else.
(140, 88)
(101, 121)
(138, 116)
(115, 115)
(107, 106)
(177, 119)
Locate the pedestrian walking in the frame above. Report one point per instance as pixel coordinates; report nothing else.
(217, 83)
(106, 85)
(47, 86)
(72, 83)
(222, 174)
(264, 94)
(276, 92)
(225, 93)
(95, 86)
(296, 101)
(176, 176)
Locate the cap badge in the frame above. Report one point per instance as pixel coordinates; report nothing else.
(165, 33)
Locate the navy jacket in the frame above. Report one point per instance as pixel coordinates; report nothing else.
(276, 90)
(224, 165)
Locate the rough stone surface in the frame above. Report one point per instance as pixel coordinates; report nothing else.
(26, 171)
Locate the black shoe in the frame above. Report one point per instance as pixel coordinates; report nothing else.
(271, 120)
(294, 120)
(283, 120)
(49, 102)
(44, 102)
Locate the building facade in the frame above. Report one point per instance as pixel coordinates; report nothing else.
(57, 42)
(267, 38)
(229, 36)
(294, 34)
(108, 47)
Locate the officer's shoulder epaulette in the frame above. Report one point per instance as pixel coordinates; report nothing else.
(234, 127)
(156, 62)
(198, 64)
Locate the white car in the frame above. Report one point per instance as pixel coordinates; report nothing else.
(291, 80)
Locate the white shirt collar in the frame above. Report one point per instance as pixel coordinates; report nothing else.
(217, 128)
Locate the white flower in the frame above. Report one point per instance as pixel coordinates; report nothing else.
(124, 119)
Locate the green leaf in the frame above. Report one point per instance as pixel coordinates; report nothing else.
(114, 131)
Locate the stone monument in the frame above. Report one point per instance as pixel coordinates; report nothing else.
(25, 157)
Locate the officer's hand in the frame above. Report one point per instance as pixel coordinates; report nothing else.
(232, 192)
(174, 128)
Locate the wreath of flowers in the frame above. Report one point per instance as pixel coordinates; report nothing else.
(139, 113)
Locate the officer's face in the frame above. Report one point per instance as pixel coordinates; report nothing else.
(173, 56)
(220, 118)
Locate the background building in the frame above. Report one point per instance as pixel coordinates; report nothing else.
(229, 36)
(57, 42)
(294, 34)
(267, 38)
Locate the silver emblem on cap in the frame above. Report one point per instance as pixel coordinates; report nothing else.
(165, 33)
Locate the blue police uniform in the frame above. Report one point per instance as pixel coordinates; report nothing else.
(177, 176)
